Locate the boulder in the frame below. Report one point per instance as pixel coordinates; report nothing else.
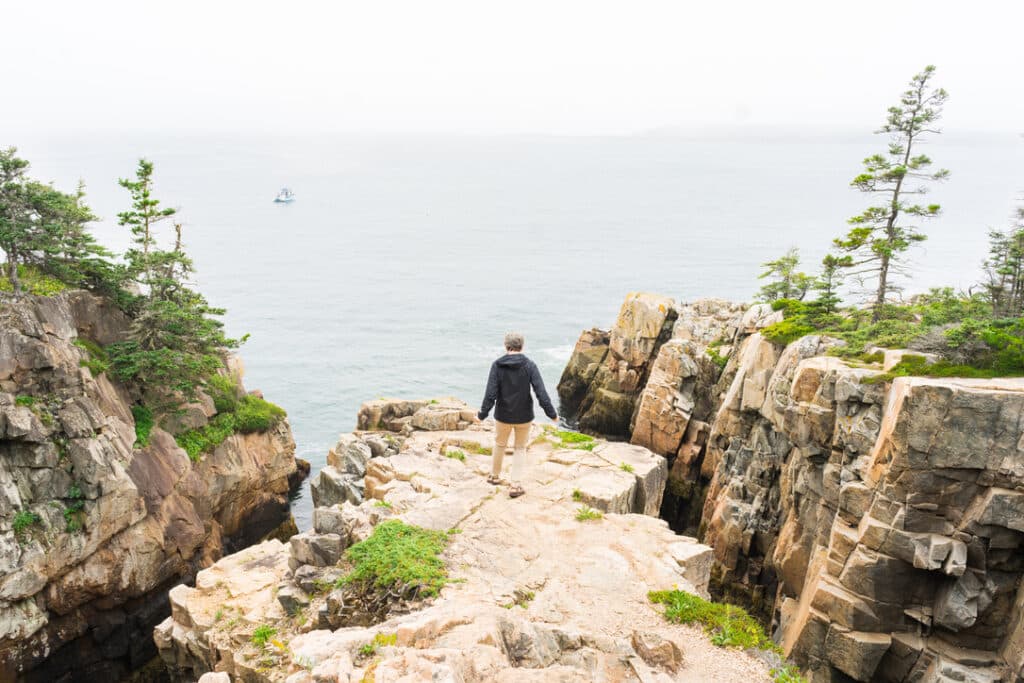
(331, 486)
(318, 550)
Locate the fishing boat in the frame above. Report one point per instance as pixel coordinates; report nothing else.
(285, 196)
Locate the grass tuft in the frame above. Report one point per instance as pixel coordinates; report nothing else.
(586, 513)
(786, 673)
(577, 495)
(379, 640)
(455, 454)
(262, 635)
(626, 467)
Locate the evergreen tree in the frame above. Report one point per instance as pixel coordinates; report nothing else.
(16, 231)
(786, 282)
(175, 341)
(827, 284)
(142, 219)
(1004, 269)
(879, 236)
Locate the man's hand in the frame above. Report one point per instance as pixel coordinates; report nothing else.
(555, 419)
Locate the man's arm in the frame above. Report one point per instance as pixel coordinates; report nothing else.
(491, 393)
(541, 392)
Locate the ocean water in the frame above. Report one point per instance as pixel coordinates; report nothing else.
(404, 259)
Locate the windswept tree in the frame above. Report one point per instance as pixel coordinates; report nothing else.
(42, 227)
(879, 236)
(1004, 269)
(175, 340)
(784, 280)
(142, 218)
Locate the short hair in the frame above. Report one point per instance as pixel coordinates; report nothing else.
(513, 341)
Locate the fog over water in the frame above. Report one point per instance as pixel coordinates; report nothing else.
(405, 258)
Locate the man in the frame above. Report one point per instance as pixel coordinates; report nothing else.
(508, 386)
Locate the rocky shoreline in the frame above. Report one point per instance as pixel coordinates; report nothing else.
(107, 527)
(876, 523)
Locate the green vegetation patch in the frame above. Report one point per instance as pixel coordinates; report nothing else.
(786, 331)
(379, 640)
(786, 673)
(257, 415)
(96, 358)
(626, 467)
(399, 556)
(143, 425)
(24, 521)
(33, 281)
(207, 438)
(727, 625)
(718, 359)
(224, 392)
(74, 510)
(25, 401)
(455, 454)
(586, 513)
(253, 414)
(575, 440)
(262, 635)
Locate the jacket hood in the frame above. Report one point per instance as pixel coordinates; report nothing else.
(511, 360)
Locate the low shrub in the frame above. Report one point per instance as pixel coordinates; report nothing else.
(399, 558)
(586, 513)
(786, 331)
(224, 392)
(254, 414)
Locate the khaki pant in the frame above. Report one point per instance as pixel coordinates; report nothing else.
(519, 455)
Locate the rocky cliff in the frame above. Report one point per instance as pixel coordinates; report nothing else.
(877, 525)
(533, 592)
(94, 530)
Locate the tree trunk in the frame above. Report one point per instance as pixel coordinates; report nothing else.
(12, 270)
(883, 277)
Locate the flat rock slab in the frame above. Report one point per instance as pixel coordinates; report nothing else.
(536, 594)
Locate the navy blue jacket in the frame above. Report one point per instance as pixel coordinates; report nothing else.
(509, 384)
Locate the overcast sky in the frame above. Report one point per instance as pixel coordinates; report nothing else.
(480, 67)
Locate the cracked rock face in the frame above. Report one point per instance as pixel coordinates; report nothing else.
(535, 594)
(877, 525)
(115, 526)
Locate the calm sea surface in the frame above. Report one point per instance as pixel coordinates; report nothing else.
(405, 259)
